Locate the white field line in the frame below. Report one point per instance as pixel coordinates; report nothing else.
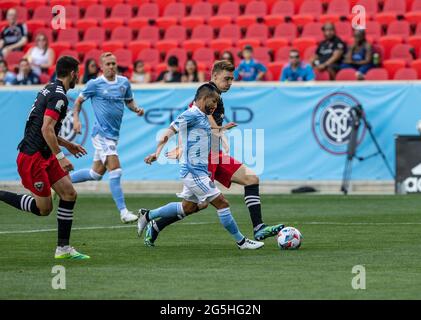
(201, 223)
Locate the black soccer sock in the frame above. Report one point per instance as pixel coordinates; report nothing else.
(252, 199)
(164, 222)
(22, 202)
(64, 221)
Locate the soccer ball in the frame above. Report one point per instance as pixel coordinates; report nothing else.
(289, 238)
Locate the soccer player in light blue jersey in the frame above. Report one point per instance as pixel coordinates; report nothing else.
(198, 189)
(109, 94)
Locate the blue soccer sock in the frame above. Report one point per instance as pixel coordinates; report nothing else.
(229, 223)
(116, 190)
(171, 209)
(84, 175)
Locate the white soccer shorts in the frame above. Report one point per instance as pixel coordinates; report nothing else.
(103, 148)
(198, 189)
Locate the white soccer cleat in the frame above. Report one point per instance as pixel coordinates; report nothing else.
(69, 253)
(251, 245)
(142, 222)
(128, 217)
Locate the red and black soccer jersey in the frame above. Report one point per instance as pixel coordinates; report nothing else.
(218, 114)
(51, 101)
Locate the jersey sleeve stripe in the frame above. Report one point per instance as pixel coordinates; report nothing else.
(52, 114)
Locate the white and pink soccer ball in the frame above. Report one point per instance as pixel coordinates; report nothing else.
(289, 238)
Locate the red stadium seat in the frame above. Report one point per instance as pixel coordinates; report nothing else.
(416, 65)
(220, 44)
(149, 35)
(322, 76)
(93, 38)
(373, 31)
(393, 65)
(174, 36)
(256, 35)
(226, 13)
(287, 31)
(13, 59)
(72, 53)
(377, 74)
(6, 4)
(22, 14)
(313, 30)
(41, 18)
(172, 14)
(180, 53)
(200, 13)
(301, 44)
(276, 69)
(310, 10)
(149, 56)
(228, 34)
(371, 8)
(119, 37)
(399, 28)
(92, 54)
(344, 30)
(200, 36)
(262, 55)
(254, 10)
(72, 15)
(391, 10)
(280, 11)
(406, 74)
(415, 40)
(388, 42)
(147, 12)
(48, 32)
(162, 4)
(33, 25)
(58, 47)
(69, 35)
(119, 14)
(204, 56)
(282, 55)
(93, 16)
(83, 4)
(65, 3)
(414, 16)
(337, 9)
(309, 53)
(111, 3)
(136, 46)
(402, 51)
(33, 4)
(346, 75)
(124, 57)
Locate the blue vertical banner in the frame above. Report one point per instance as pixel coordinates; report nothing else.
(285, 131)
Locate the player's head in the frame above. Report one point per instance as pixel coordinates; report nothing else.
(67, 70)
(207, 98)
(108, 65)
(223, 75)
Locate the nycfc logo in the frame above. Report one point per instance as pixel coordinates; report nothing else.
(332, 122)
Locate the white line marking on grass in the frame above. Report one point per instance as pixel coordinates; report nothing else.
(204, 223)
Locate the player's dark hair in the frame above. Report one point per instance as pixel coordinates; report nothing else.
(206, 90)
(222, 65)
(65, 65)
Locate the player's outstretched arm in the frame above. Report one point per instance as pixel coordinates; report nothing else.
(161, 143)
(75, 149)
(77, 126)
(132, 105)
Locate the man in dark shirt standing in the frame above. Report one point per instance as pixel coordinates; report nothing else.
(41, 163)
(14, 36)
(330, 52)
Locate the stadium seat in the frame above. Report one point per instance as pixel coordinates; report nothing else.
(148, 12)
(313, 30)
(149, 35)
(181, 55)
(344, 31)
(13, 59)
(172, 14)
(93, 15)
(281, 10)
(136, 46)
(119, 37)
(124, 58)
(83, 4)
(337, 10)
(415, 40)
(149, 56)
(33, 25)
(388, 42)
(22, 14)
(399, 28)
(262, 54)
(254, 10)
(371, 8)
(162, 4)
(228, 34)
(416, 65)
(33, 4)
(276, 69)
(93, 38)
(119, 14)
(220, 44)
(58, 47)
(282, 55)
(200, 13)
(322, 76)
(174, 36)
(204, 57)
(284, 32)
(346, 75)
(391, 10)
(69, 52)
(414, 15)
(377, 74)
(406, 74)
(92, 54)
(393, 65)
(72, 15)
(64, 3)
(6, 4)
(301, 44)
(310, 11)
(309, 54)
(402, 51)
(48, 32)
(68, 35)
(200, 36)
(111, 3)
(42, 17)
(227, 11)
(256, 34)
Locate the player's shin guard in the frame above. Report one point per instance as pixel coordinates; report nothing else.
(64, 222)
(84, 175)
(22, 202)
(170, 210)
(229, 224)
(252, 199)
(116, 190)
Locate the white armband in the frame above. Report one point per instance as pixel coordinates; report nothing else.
(60, 155)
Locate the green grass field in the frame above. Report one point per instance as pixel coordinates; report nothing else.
(197, 259)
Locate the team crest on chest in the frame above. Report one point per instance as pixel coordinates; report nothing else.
(122, 90)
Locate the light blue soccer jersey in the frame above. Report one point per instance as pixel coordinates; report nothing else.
(195, 130)
(108, 100)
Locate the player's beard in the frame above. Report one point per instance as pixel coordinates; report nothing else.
(73, 82)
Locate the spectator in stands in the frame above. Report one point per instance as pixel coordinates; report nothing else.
(91, 71)
(6, 77)
(139, 74)
(296, 70)
(25, 75)
(330, 52)
(171, 74)
(359, 55)
(14, 36)
(227, 55)
(191, 72)
(41, 57)
(249, 69)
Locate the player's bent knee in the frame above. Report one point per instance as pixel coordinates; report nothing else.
(45, 211)
(69, 195)
(95, 175)
(190, 208)
(252, 179)
(116, 173)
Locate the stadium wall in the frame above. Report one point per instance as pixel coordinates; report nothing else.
(290, 134)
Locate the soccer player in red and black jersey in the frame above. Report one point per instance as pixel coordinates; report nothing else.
(222, 167)
(41, 163)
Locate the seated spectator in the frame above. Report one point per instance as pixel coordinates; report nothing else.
(6, 77)
(14, 36)
(25, 75)
(330, 52)
(139, 74)
(227, 55)
(191, 73)
(171, 74)
(41, 57)
(249, 69)
(359, 56)
(297, 70)
(91, 71)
